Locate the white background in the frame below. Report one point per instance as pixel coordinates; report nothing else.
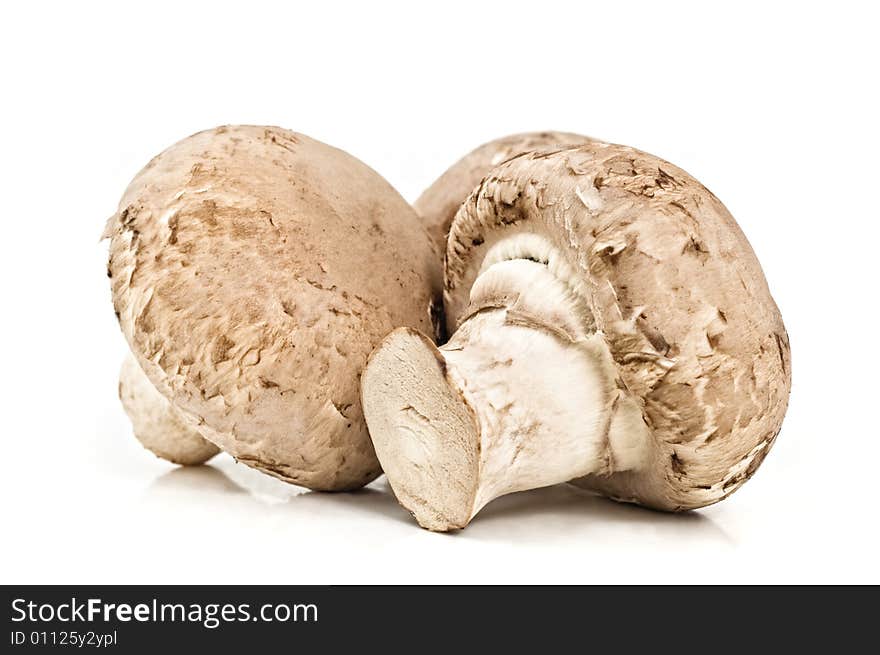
(773, 106)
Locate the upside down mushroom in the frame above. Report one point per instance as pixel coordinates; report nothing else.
(611, 326)
(439, 203)
(253, 270)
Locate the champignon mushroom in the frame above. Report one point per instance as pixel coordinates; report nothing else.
(440, 201)
(613, 328)
(253, 270)
(158, 425)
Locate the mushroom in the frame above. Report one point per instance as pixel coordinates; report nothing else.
(440, 201)
(253, 270)
(158, 425)
(612, 327)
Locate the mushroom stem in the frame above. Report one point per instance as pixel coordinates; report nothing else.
(519, 398)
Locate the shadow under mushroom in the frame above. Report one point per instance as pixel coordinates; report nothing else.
(560, 512)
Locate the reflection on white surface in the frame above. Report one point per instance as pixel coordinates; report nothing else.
(545, 515)
(239, 489)
(112, 513)
(99, 508)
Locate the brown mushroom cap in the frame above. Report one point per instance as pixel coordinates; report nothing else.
(157, 424)
(439, 203)
(253, 269)
(676, 292)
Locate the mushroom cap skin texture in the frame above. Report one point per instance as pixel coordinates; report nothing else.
(253, 269)
(643, 355)
(439, 203)
(160, 427)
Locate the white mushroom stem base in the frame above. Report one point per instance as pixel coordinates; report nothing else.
(508, 404)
